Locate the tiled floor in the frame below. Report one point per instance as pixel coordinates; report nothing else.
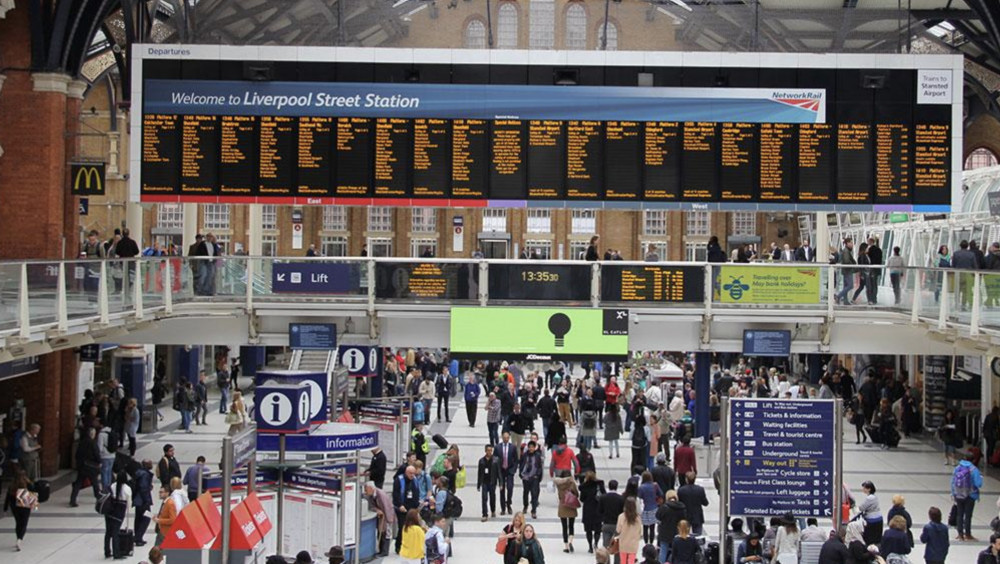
(58, 533)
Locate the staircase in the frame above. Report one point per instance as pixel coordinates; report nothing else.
(313, 361)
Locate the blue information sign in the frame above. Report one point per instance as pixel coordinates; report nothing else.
(361, 361)
(321, 336)
(329, 437)
(758, 342)
(781, 457)
(313, 278)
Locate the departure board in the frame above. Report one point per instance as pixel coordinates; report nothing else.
(661, 163)
(931, 157)
(431, 158)
(392, 157)
(546, 147)
(238, 155)
(854, 162)
(354, 156)
(278, 144)
(315, 157)
(816, 147)
(540, 282)
(892, 163)
(778, 146)
(738, 154)
(160, 138)
(584, 160)
(425, 280)
(806, 138)
(699, 162)
(470, 157)
(507, 160)
(622, 164)
(199, 154)
(652, 283)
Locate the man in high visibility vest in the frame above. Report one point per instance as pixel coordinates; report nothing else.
(418, 443)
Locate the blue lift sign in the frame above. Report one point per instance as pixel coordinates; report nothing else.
(781, 457)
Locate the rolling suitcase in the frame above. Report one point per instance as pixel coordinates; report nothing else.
(440, 441)
(126, 543)
(43, 489)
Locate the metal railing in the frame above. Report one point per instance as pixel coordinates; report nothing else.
(45, 296)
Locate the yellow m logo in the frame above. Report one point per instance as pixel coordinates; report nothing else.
(88, 179)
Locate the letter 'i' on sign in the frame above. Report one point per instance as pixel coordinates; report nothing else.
(355, 360)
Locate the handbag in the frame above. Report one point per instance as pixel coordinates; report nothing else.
(26, 499)
(501, 547)
(571, 501)
(614, 547)
(233, 418)
(953, 516)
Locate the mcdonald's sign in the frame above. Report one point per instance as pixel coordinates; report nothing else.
(87, 179)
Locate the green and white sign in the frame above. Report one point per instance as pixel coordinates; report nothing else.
(539, 333)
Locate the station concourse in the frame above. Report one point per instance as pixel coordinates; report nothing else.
(319, 197)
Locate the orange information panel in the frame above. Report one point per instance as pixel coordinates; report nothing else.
(190, 531)
(243, 533)
(256, 510)
(210, 512)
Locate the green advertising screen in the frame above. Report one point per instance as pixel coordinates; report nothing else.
(539, 333)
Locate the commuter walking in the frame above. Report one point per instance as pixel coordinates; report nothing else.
(650, 494)
(669, 515)
(864, 274)
(846, 260)
(569, 500)
(592, 252)
(471, 394)
(411, 549)
(142, 500)
(507, 456)
(131, 423)
(443, 386)
(871, 513)
(965, 484)
(613, 430)
(201, 399)
(21, 501)
(531, 467)
(531, 548)
(991, 554)
(943, 261)
(236, 417)
(194, 478)
(786, 541)
(694, 499)
(628, 531)
(965, 259)
(225, 383)
(684, 546)
(108, 441)
(88, 465)
(590, 492)
(487, 479)
(184, 401)
(896, 265)
(166, 516)
(509, 538)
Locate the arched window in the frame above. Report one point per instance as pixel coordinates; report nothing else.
(507, 26)
(612, 36)
(475, 35)
(542, 24)
(980, 158)
(576, 27)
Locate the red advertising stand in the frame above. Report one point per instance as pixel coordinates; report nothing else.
(197, 525)
(248, 523)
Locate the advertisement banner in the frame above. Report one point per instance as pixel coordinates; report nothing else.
(769, 285)
(539, 333)
(484, 101)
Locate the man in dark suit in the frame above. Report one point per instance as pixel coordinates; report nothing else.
(610, 506)
(486, 484)
(208, 250)
(805, 253)
(507, 456)
(376, 470)
(693, 497)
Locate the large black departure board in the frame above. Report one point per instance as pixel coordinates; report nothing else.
(652, 283)
(864, 146)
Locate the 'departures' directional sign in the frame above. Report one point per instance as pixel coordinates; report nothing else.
(781, 457)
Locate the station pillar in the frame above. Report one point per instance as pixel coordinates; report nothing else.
(702, 391)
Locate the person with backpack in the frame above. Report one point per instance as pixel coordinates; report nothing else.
(107, 439)
(168, 467)
(223, 380)
(115, 510)
(965, 484)
(435, 545)
(405, 496)
(142, 500)
(447, 504)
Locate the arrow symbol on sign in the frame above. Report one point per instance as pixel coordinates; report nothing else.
(281, 277)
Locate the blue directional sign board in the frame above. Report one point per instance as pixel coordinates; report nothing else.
(313, 278)
(781, 457)
(319, 336)
(757, 342)
(361, 361)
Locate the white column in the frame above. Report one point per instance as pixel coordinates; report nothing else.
(190, 226)
(986, 379)
(133, 220)
(822, 242)
(255, 244)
